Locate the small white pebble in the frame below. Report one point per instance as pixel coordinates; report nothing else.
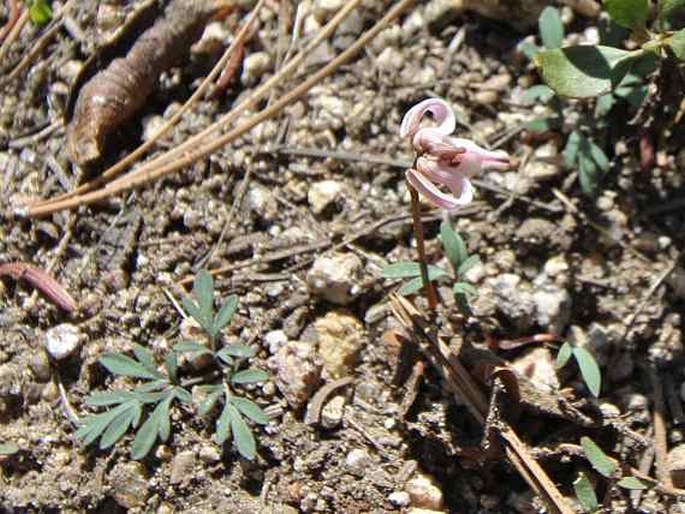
(62, 341)
(399, 498)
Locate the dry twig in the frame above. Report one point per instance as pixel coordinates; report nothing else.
(42, 281)
(467, 392)
(155, 170)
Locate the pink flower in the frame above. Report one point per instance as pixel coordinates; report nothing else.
(444, 160)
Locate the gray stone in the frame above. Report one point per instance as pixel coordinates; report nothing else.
(182, 466)
(399, 498)
(513, 300)
(358, 460)
(339, 336)
(129, 484)
(332, 413)
(297, 371)
(254, 66)
(40, 366)
(209, 454)
(323, 194)
(335, 278)
(424, 493)
(552, 308)
(676, 465)
(62, 341)
(274, 340)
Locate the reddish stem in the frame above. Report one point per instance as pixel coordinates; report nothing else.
(42, 281)
(12, 17)
(429, 288)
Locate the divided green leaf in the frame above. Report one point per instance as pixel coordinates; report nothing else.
(157, 424)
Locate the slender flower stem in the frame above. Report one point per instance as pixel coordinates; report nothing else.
(429, 288)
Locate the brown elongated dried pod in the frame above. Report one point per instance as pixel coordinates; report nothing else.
(116, 93)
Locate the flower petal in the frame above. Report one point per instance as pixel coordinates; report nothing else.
(431, 193)
(441, 111)
(476, 159)
(440, 172)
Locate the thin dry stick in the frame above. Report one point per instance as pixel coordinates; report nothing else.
(120, 166)
(13, 34)
(40, 44)
(429, 287)
(204, 135)
(467, 392)
(660, 430)
(12, 17)
(129, 182)
(42, 281)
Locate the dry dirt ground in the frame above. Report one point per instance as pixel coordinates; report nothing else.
(591, 270)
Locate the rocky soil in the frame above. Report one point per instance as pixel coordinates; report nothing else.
(303, 213)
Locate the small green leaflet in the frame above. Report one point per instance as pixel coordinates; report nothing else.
(8, 449)
(249, 376)
(203, 289)
(589, 370)
(454, 246)
(631, 483)
(225, 314)
(565, 353)
(551, 28)
(585, 493)
(410, 269)
(598, 459)
(223, 426)
(538, 92)
(250, 409)
(40, 12)
(631, 14)
(119, 364)
(157, 424)
(243, 439)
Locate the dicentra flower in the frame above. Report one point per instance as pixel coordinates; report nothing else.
(444, 160)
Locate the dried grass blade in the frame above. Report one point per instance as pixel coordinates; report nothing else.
(468, 393)
(140, 177)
